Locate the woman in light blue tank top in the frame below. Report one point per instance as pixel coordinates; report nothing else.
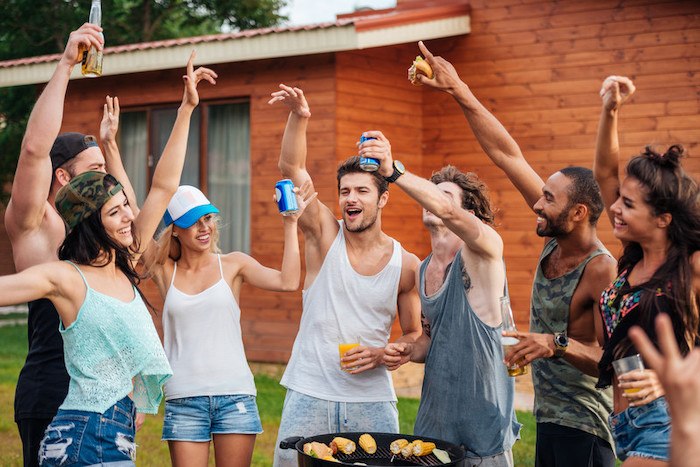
(212, 393)
(112, 351)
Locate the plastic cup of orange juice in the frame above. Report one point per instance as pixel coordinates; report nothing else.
(343, 347)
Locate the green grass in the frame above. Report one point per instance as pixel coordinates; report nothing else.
(154, 453)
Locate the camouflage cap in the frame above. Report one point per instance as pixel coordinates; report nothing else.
(84, 195)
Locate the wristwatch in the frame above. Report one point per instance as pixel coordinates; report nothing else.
(399, 170)
(561, 344)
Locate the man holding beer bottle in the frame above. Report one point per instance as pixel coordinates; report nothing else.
(467, 397)
(36, 230)
(573, 270)
(357, 277)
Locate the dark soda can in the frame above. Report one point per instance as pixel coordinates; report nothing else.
(368, 164)
(286, 199)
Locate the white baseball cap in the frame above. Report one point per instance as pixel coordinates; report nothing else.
(187, 206)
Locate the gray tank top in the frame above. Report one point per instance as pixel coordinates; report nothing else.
(563, 394)
(467, 394)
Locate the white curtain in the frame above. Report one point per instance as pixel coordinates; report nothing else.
(133, 147)
(162, 121)
(228, 172)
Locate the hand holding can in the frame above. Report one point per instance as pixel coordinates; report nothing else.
(285, 197)
(368, 164)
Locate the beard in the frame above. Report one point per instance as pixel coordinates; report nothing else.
(553, 228)
(366, 223)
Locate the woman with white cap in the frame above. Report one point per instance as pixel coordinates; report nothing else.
(212, 393)
(112, 352)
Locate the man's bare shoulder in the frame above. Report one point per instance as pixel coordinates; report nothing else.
(32, 245)
(409, 260)
(602, 267)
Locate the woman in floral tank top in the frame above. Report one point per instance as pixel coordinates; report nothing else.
(655, 212)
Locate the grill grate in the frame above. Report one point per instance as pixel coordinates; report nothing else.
(385, 454)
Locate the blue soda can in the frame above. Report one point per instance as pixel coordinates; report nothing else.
(286, 199)
(368, 164)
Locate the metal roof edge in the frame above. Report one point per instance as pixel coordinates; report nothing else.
(243, 48)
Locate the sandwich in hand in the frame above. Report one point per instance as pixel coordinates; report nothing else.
(419, 67)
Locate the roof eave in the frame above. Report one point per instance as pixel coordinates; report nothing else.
(257, 47)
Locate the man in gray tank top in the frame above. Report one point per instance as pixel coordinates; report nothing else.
(563, 344)
(467, 396)
(358, 279)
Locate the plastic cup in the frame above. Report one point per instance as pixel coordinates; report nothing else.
(627, 364)
(344, 347)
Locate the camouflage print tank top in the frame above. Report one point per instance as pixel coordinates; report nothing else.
(563, 394)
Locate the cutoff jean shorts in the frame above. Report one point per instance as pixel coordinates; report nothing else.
(198, 418)
(76, 437)
(643, 431)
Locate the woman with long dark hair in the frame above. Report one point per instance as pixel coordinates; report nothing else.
(655, 212)
(112, 352)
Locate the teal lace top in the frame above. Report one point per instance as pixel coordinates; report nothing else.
(112, 349)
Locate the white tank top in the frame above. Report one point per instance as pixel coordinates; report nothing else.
(203, 342)
(339, 306)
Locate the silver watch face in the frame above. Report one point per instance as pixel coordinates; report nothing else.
(562, 340)
(399, 166)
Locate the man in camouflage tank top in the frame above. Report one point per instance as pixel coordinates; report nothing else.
(574, 268)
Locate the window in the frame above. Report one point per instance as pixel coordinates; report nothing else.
(217, 161)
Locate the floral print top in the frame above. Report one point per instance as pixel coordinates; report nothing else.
(618, 300)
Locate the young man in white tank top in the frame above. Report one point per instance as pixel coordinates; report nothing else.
(357, 278)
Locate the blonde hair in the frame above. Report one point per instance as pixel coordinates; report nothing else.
(169, 247)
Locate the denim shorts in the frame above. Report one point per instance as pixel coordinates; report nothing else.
(75, 437)
(197, 418)
(306, 416)
(642, 431)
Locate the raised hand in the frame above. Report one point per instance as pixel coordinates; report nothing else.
(190, 97)
(679, 376)
(110, 120)
(380, 149)
(305, 195)
(292, 98)
(615, 91)
(79, 41)
(446, 77)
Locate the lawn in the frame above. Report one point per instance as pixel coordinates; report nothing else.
(154, 453)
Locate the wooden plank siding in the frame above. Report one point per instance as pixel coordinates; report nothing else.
(537, 64)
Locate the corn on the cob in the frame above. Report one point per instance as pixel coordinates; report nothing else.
(343, 445)
(407, 450)
(396, 446)
(318, 450)
(331, 458)
(422, 448)
(368, 443)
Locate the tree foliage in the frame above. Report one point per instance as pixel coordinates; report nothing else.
(29, 28)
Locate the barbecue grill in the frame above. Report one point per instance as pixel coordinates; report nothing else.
(382, 457)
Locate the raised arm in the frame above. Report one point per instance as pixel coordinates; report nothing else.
(166, 177)
(287, 279)
(292, 162)
(32, 181)
(108, 136)
(478, 237)
(614, 92)
(494, 139)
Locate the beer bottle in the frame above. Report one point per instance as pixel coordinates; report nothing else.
(92, 58)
